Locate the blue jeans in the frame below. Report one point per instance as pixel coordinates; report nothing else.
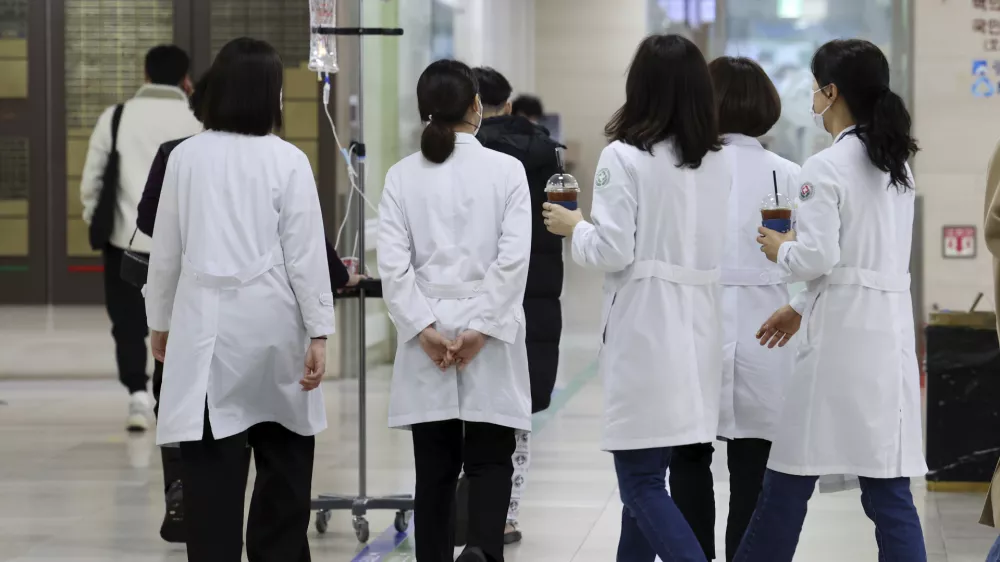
(774, 531)
(994, 555)
(651, 523)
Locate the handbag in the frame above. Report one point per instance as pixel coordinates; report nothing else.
(135, 265)
(102, 223)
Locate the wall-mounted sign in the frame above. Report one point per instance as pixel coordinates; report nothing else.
(987, 24)
(958, 242)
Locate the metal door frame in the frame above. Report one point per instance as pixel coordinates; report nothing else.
(23, 278)
(78, 280)
(47, 274)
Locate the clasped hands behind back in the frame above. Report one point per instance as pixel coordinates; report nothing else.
(447, 353)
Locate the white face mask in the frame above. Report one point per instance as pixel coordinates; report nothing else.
(818, 117)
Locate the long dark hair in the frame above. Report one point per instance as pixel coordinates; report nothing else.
(445, 92)
(668, 95)
(861, 73)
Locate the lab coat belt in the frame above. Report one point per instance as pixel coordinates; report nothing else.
(878, 280)
(259, 267)
(752, 277)
(674, 273)
(451, 291)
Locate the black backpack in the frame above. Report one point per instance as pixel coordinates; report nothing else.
(102, 223)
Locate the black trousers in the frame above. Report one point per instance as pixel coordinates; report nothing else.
(169, 456)
(692, 488)
(440, 449)
(215, 481)
(127, 311)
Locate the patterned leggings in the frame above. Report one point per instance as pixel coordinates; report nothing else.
(522, 459)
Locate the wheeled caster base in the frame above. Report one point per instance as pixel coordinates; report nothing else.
(322, 521)
(361, 529)
(402, 521)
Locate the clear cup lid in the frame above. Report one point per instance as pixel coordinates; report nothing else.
(562, 182)
(775, 201)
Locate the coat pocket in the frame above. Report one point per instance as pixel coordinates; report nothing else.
(809, 333)
(609, 303)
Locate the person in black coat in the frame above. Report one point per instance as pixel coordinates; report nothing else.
(531, 144)
(172, 529)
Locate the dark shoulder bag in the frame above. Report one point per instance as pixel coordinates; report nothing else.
(102, 223)
(135, 265)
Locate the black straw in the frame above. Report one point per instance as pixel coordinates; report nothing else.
(774, 174)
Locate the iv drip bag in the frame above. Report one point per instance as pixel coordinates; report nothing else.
(322, 48)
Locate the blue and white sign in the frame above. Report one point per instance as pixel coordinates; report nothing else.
(983, 85)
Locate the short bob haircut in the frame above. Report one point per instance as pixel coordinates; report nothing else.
(196, 101)
(668, 96)
(747, 99)
(244, 89)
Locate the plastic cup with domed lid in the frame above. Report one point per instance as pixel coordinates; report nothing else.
(562, 188)
(776, 212)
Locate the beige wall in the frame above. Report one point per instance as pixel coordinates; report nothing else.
(582, 51)
(957, 133)
(500, 34)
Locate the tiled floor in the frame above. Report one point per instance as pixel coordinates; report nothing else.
(74, 487)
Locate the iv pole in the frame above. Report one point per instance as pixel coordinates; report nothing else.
(360, 505)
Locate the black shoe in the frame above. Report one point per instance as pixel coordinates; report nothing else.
(461, 517)
(474, 554)
(512, 537)
(173, 529)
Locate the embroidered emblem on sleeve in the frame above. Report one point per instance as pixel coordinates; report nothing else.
(603, 177)
(806, 191)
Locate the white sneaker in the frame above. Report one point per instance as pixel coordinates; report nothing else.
(140, 412)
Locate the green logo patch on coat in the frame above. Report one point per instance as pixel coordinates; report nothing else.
(603, 177)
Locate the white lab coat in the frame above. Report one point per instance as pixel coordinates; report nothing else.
(753, 377)
(853, 405)
(238, 276)
(657, 232)
(454, 244)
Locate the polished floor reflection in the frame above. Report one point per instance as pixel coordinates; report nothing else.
(74, 487)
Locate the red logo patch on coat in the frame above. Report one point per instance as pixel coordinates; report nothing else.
(806, 191)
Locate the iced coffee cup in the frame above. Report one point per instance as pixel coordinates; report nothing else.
(776, 212)
(563, 189)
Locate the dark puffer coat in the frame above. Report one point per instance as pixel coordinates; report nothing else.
(532, 145)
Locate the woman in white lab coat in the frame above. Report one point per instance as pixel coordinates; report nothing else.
(657, 229)
(852, 407)
(454, 244)
(753, 378)
(238, 278)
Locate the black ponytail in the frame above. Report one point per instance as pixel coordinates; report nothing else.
(445, 92)
(437, 142)
(861, 73)
(887, 138)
